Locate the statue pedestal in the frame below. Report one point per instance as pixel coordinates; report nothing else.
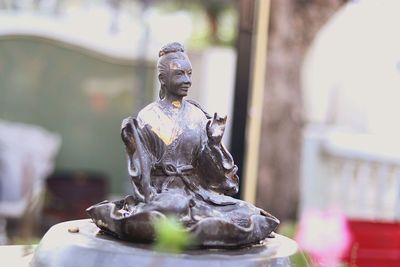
(88, 247)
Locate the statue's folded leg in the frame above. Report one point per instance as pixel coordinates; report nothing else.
(231, 225)
(169, 203)
(116, 219)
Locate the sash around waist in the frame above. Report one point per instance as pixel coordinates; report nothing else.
(169, 169)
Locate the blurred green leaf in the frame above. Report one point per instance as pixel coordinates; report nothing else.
(171, 235)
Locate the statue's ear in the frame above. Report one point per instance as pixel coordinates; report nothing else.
(161, 78)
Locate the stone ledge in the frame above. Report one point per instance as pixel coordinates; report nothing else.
(88, 247)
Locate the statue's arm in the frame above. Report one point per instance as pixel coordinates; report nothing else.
(216, 164)
(138, 158)
(130, 147)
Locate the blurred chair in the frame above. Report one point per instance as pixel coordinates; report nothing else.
(26, 158)
(360, 174)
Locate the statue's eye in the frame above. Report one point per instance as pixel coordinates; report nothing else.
(189, 72)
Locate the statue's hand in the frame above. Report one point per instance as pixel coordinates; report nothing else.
(215, 129)
(127, 135)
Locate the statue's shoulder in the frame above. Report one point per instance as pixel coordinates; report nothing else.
(197, 105)
(150, 108)
(150, 114)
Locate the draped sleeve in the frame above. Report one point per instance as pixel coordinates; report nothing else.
(141, 155)
(217, 169)
(153, 147)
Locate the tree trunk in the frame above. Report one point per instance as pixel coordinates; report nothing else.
(293, 25)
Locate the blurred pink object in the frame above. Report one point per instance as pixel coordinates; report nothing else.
(325, 235)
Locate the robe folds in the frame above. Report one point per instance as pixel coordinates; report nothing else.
(187, 176)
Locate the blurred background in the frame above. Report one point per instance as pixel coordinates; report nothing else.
(310, 87)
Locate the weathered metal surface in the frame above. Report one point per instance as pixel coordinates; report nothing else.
(179, 166)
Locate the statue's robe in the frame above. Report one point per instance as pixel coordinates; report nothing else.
(189, 177)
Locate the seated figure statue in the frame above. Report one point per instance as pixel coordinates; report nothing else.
(179, 166)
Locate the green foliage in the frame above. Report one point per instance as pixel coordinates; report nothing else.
(23, 241)
(171, 235)
(215, 22)
(287, 229)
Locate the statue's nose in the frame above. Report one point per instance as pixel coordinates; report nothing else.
(188, 80)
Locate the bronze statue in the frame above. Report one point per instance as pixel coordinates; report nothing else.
(179, 166)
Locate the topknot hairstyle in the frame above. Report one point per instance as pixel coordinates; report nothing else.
(171, 48)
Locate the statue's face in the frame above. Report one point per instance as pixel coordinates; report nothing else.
(179, 77)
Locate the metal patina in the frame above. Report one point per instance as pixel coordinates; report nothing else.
(179, 166)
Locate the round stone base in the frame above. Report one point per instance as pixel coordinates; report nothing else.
(80, 243)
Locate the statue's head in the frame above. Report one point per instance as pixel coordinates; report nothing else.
(174, 70)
